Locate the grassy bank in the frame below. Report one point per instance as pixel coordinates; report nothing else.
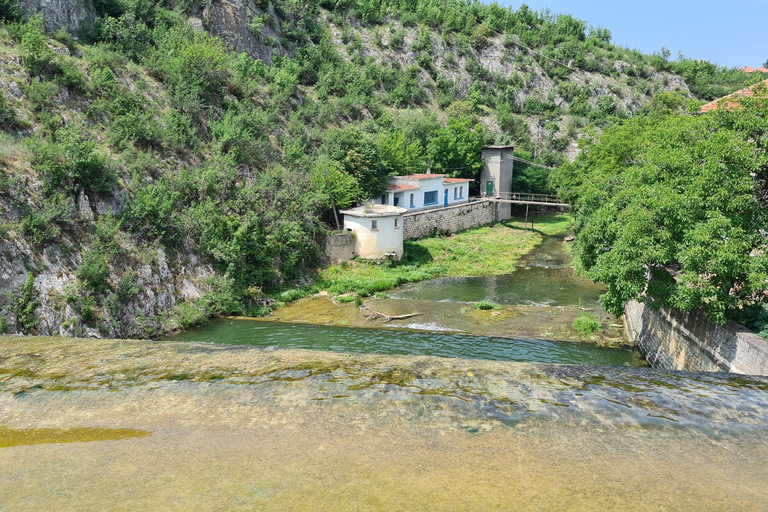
(487, 250)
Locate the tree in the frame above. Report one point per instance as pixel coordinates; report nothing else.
(457, 148)
(674, 192)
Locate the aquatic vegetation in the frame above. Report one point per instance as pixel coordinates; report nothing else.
(586, 324)
(486, 305)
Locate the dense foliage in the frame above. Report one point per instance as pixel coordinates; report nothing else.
(672, 209)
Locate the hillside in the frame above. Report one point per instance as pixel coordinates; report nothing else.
(165, 162)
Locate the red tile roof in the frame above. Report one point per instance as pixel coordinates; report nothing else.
(455, 180)
(420, 176)
(398, 188)
(748, 69)
(732, 100)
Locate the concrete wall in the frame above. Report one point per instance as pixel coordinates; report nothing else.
(499, 169)
(339, 247)
(453, 219)
(691, 341)
(383, 242)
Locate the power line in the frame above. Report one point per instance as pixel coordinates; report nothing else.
(516, 42)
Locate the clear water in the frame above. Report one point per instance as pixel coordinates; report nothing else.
(543, 277)
(401, 342)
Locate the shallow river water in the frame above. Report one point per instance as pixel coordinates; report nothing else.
(371, 419)
(542, 278)
(406, 342)
(131, 425)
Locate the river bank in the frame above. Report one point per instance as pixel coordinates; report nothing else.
(238, 428)
(487, 250)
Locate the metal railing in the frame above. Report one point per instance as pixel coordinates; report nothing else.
(527, 198)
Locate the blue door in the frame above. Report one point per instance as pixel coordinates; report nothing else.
(445, 202)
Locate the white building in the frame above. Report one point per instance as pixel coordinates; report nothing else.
(378, 229)
(425, 191)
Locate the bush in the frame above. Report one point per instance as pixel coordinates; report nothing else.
(345, 299)
(24, 303)
(72, 163)
(486, 305)
(586, 324)
(128, 287)
(94, 272)
(7, 114)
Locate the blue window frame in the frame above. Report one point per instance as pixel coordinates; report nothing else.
(430, 197)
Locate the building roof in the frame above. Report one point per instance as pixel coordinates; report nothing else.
(395, 187)
(375, 210)
(749, 69)
(456, 180)
(732, 100)
(419, 176)
(498, 147)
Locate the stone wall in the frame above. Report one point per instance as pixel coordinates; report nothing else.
(339, 247)
(691, 341)
(452, 218)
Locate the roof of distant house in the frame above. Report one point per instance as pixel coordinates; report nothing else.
(375, 210)
(749, 69)
(420, 176)
(394, 187)
(732, 100)
(456, 180)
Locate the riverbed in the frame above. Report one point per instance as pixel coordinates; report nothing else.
(211, 426)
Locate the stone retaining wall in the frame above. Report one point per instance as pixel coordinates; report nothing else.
(691, 341)
(339, 247)
(453, 219)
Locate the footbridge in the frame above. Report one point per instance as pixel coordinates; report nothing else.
(527, 199)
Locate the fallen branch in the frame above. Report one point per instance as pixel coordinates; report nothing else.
(388, 318)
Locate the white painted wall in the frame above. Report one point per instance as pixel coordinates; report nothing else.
(376, 244)
(427, 185)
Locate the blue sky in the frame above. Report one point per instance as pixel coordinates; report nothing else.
(729, 34)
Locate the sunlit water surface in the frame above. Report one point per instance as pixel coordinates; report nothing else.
(405, 342)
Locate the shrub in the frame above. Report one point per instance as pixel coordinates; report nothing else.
(24, 303)
(345, 298)
(586, 324)
(486, 305)
(94, 272)
(40, 94)
(128, 287)
(7, 114)
(72, 163)
(292, 295)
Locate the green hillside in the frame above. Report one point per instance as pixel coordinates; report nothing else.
(156, 172)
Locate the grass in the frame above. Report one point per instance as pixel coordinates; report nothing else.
(487, 250)
(486, 305)
(586, 324)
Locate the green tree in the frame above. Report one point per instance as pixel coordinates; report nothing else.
(457, 149)
(674, 192)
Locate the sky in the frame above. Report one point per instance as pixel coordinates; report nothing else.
(729, 34)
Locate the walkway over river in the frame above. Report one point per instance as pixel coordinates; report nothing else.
(529, 199)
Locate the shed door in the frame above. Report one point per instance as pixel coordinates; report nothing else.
(489, 188)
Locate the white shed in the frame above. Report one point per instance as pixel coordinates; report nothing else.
(379, 230)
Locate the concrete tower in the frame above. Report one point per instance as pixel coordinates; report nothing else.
(496, 178)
